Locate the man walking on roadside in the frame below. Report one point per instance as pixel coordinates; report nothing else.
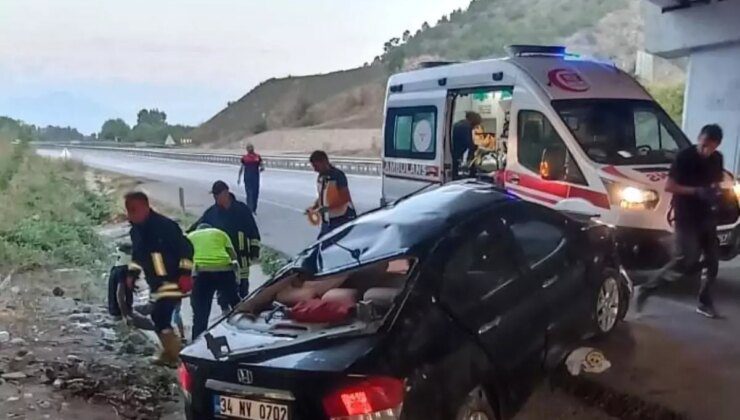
(236, 219)
(250, 168)
(334, 204)
(164, 255)
(694, 180)
(214, 261)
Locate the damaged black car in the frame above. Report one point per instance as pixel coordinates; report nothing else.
(449, 304)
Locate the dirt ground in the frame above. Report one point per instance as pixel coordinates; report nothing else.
(63, 357)
(357, 142)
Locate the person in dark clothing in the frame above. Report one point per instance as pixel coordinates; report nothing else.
(251, 167)
(462, 141)
(334, 204)
(236, 219)
(120, 297)
(694, 180)
(164, 255)
(214, 261)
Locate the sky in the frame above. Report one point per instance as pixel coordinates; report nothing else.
(80, 62)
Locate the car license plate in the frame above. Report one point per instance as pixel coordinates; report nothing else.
(242, 408)
(724, 237)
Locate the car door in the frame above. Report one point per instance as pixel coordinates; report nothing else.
(489, 294)
(547, 244)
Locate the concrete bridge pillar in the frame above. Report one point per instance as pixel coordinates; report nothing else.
(708, 32)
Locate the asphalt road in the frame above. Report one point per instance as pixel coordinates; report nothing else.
(667, 355)
(283, 195)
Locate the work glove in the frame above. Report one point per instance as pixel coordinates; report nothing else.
(186, 283)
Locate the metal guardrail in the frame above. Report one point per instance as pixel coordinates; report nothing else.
(356, 166)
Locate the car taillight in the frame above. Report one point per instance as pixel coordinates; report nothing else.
(374, 397)
(183, 376)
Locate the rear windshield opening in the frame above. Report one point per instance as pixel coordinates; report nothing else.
(302, 302)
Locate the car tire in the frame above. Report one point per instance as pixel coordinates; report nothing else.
(609, 303)
(476, 406)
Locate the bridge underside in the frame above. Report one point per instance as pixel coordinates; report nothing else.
(708, 32)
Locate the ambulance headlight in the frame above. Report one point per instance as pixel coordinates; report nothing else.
(637, 198)
(736, 189)
(631, 197)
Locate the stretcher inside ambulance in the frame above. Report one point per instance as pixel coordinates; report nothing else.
(573, 134)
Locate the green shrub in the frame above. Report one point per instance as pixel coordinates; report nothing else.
(671, 98)
(48, 214)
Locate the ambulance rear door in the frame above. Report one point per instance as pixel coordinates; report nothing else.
(413, 142)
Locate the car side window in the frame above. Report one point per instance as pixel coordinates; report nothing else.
(536, 233)
(536, 134)
(482, 262)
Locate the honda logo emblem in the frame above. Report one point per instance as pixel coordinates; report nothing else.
(244, 376)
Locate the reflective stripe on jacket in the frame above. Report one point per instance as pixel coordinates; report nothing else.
(160, 250)
(238, 222)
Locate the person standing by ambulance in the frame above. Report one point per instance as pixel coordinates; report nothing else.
(463, 141)
(334, 205)
(694, 180)
(251, 167)
(164, 255)
(236, 219)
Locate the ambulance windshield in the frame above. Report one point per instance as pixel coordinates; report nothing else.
(622, 132)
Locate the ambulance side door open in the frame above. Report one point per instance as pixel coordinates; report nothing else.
(541, 166)
(413, 142)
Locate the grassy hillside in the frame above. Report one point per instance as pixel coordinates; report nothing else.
(48, 212)
(354, 98)
(288, 102)
(487, 26)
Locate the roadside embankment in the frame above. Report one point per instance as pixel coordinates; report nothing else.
(61, 355)
(49, 212)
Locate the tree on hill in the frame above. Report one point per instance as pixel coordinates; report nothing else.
(114, 129)
(151, 116)
(149, 133)
(487, 26)
(11, 129)
(406, 35)
(151, 126)
(54, 133)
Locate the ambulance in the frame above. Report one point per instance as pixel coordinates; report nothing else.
(574, 134)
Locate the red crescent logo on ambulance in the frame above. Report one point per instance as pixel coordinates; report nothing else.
(568, 79)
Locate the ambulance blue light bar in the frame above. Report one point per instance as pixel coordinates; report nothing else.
(529, 50)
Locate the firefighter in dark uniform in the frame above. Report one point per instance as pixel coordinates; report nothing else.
(236, 219)
(164, 255)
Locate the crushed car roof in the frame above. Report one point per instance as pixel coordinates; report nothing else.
(399, 228)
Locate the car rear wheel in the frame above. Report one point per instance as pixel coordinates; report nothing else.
(609, 303)
(476, 406)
